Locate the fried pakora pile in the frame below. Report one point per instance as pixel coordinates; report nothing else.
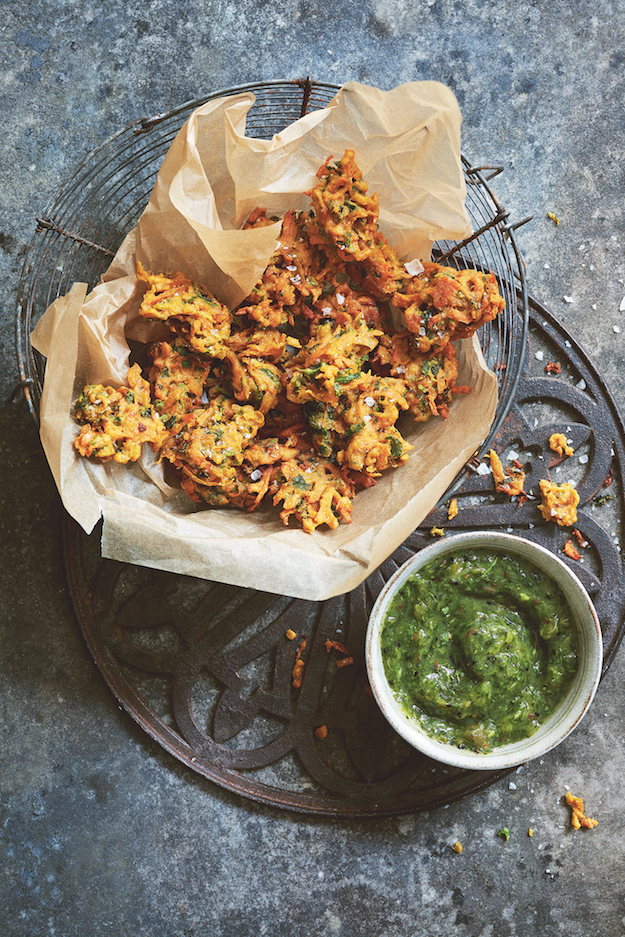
(294, 396)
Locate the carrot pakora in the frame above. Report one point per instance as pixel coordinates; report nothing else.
(294, 397)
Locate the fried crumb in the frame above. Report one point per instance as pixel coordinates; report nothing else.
(345, 662)
(336, 646)
(297, 673)
(321, 732)
(291, 635)
(558, 443)
(437, 532)
(509, 481)
(570, 550)
(554, 218)
(452, 510)
(580, 538)
(552, 367)
(559, 503)
(577, 813)
(457, 847)
(530, 832)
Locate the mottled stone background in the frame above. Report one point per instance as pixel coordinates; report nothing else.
(102, 833)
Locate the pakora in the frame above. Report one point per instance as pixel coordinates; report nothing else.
(118, 422)
(294, 397)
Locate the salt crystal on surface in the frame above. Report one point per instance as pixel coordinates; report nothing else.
(621, 308)
(583, 459)
(539, 355)
(483, 469)
(414, 267)
(568, 299)
(513, 455)
(616, 328)
(512, 786)
(581, 384)
(567, 343)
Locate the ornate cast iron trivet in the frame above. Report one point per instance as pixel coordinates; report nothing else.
(206, 669)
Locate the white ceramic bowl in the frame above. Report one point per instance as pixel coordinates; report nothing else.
(569, 712)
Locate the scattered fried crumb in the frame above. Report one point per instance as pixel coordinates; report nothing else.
(552, 367)
(580, 538)
(552, 217)
(437, 532)
(530, 832)
(291, 635)
(510, 481)
(457, 847)
(321, 732)
(345, 662)
(570, 550)
(559, 503)
(577, 813)
(452, 510)
(559, 444)
(297, 673)
(336, 646)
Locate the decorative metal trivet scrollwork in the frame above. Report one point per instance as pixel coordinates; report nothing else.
(206, 668)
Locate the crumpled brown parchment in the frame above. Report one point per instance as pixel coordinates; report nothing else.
(407, 144)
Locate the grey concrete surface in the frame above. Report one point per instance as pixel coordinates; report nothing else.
(101, 832)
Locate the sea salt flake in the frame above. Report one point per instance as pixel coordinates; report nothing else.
(621, 308)
(340, 299)
(291, 267)
(581, 384)
(370, 401)
(568, 299)
(616, 328)
(539, 355)
(256, 475)
(594, 306)
(512, 786)
(513, 455)
(483, 469)
(547, 266)
(583, 459)
(567, 343)
(414, 267)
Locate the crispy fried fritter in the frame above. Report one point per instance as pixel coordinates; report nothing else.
(443, 304)
(200, 320)
(347, 216)
(177, 381)
(316, 492)
(430, 378)
(118, 422)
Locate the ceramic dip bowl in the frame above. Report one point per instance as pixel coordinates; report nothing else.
(569, 710)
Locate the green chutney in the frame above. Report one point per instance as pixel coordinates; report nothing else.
(479, 647)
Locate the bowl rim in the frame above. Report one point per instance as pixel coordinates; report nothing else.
(568, 713)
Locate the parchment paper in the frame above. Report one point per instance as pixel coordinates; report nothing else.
(407, 144)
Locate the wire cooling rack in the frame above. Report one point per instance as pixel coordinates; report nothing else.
(80, 231)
